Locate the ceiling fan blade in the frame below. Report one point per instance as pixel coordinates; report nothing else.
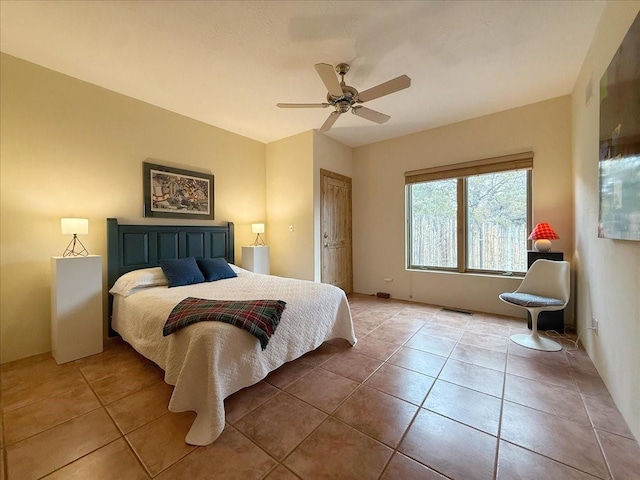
(398, 83)
(330, 121)
(329, 78)
(302, 105)
(369, 114)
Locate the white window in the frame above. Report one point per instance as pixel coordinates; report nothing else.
(471, 217)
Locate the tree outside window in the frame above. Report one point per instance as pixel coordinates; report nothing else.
(470, 223)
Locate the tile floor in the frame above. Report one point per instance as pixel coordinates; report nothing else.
(425, 394)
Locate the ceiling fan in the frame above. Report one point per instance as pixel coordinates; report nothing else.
(343, 97)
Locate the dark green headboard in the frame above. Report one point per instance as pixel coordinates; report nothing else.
(130, 247)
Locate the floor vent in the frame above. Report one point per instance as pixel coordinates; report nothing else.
(455, 310)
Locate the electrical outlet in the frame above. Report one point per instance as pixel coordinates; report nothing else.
(594, 324)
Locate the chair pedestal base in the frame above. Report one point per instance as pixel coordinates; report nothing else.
(536, 342)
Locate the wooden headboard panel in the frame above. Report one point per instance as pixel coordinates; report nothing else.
(130, 247)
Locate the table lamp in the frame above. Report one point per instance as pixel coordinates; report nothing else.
(75, 227)
(258, 228)
(542, 233)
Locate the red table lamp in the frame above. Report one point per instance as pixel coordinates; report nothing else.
(542, 233)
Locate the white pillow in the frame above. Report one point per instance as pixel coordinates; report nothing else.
(146, 277)
(237, 269)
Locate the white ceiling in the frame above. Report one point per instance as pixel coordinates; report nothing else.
(227, 63)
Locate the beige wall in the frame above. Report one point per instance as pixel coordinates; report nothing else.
(607, 271)
(379, 199)
(328, 154)
(290, 202)
(293, 198)
(73, 149)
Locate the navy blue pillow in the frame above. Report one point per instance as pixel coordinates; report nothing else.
(181, 271)
(215, 269)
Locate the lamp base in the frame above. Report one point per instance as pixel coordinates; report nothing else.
(71, 248)
(542, 245)
(259, 242)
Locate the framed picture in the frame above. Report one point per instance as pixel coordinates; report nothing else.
(175, 193)
(620, 141)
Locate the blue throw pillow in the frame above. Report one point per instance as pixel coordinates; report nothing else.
(181, 271)
(215, 269)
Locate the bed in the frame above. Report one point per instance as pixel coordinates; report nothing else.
(208, 361)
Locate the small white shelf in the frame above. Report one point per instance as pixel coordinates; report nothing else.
(256, 259)
(76, 307)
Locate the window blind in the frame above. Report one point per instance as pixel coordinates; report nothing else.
(518, 161)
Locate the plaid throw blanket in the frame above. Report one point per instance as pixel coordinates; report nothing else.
(258, 317)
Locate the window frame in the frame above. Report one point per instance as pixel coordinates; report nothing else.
(460, 172)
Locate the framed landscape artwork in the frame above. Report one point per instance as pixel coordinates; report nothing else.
(619, 156)
(175, 193)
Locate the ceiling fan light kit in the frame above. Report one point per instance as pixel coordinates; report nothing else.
(343, 97)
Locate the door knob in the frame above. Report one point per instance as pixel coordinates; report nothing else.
(326, 244)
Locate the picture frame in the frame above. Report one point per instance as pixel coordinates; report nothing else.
(619, 142)
(171, 192)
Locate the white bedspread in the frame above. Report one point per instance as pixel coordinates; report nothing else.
(209, 361)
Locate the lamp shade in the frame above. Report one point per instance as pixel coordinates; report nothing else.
(77, 226)
(543, 231)
(257, 227)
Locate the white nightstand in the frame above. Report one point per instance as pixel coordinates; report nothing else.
(256, 259)
(76, 307)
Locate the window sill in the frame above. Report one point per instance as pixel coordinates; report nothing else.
(517, 275)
